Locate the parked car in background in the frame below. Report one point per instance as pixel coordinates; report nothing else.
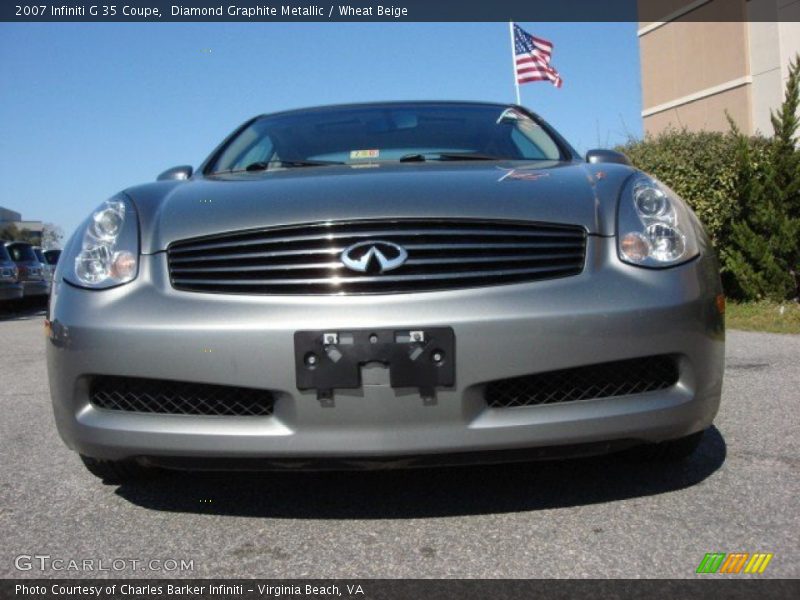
(52, 256)
(31, 270)
(46, 268)
(10, 287)
(394, 284)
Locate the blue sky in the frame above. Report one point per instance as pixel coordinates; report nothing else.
(87, 110)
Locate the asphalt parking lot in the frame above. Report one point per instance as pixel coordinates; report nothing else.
(600, 517)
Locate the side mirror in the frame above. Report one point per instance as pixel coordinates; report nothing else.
(607, 156)
(182, 172)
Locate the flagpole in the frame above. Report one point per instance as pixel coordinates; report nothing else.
(513, 59)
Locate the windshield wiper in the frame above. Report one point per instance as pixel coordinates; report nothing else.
(263, 165)
(287, 162)
(423, 156)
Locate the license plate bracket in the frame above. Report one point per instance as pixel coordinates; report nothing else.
(417, 357)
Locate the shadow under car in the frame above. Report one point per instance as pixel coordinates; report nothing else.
(428, 492)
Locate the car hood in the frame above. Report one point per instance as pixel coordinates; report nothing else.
(550, 192)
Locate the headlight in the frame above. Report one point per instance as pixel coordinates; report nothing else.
(104, 251)
(654, 226)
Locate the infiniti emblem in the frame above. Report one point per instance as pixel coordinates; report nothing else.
(374, 256)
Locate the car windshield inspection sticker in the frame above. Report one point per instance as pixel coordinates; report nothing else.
(364, 153)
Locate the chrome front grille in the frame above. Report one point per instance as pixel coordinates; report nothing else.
(442, 254)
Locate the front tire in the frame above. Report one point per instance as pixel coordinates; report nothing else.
(116, 471)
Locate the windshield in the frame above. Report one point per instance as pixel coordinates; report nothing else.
(22, 253)
(51, 256)
(39, 255)
(368, 134)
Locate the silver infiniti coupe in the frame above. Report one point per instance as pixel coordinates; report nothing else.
(391, 284)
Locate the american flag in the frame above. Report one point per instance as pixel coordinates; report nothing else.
(532, 58)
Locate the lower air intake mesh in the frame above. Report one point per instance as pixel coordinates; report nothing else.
(130, 394)
(620, 378)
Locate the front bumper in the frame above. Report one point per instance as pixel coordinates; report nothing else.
(10, 291)
(609, 312)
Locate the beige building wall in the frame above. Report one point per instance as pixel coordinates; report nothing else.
(707, 114)
(706, 57)
(774, 41)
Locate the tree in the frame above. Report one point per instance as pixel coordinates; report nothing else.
(9, 233)
(51, 236)
(764, 257)
(12, 233)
